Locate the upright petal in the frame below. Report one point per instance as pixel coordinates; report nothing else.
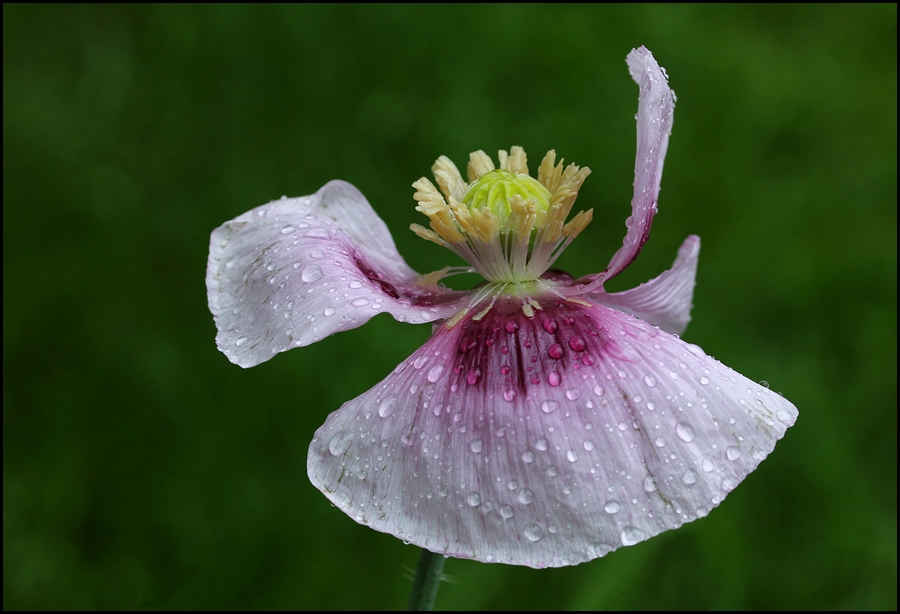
(656, 106)
(296, 270)
(665, 300)
(545, 441)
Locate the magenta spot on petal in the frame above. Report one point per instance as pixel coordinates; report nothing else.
(549, 325)
(511, 327)
(555, 351)
(473, 376)
(577, 343)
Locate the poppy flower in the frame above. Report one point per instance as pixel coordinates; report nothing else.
(546, 422)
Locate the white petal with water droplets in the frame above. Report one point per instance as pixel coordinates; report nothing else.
(296, 270)
(574, 468)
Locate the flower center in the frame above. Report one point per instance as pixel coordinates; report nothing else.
(509, 226)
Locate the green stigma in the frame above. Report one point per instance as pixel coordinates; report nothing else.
(493, 191)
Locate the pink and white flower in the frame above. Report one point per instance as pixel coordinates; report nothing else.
(545, 422)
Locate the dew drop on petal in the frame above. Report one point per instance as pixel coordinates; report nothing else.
(577, 343)
(685, 432)
(511, 327)
(707, 465)
(690, 477)
(650, 381)
(542, 444)
(554, 379)
(572, 456)
(528, 456)
(473, 376)
(660, 442)
(329, 311)
(732, 453)
(555, 351)
(387, 406)
(533, 531)
(549, 325)
(572, 394)
(288, 229)
(316, 233)
(360, 302)
(728, 484)
(473, 499)
(548, 407)
(241, 341)
(598, 549)
(311, 273)
(509, 394)
(631, 535)
(649, 483)
(525, 496)
(704, 380)
(434, 374)
(588, 445)
(355, 284)
(476, 446)
(612, 507)
(507, 511)
(340, 443)
(785, 416)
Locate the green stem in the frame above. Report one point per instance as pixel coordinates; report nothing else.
(425, 584)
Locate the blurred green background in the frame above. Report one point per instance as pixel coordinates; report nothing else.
(143, 470)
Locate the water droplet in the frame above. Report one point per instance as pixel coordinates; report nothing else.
(552, 471)
(612, 507)
(588, 445)
(316, 253)
(355, 284)
(542, 444)
(690, 477)
(316, 233)
(555, 351)
(548, 407)
(329, 311)
(387, 406)
(360, 302)
(363, 474)
(785, 416)
(288, 229)
(434, 374)
(511, 327)
(598, 549)
(528, 456)
(572, 394)
(419, 362)
(533, 531)
(704, 380)
(509, 394)
(340, 443)
(758, 455)
(476, 446)
(660, 442)
(649, 483)
(650, 381)
(311, 273)
(732, 453)
(728, 484)
(577, 343)
(241, 341)
(685, 432)
(571, 456)
(707, 465)
(473, 499)
(549, 325)
(507, 511)
(443, 492)
(554, 379)
(473, 376)
(631, 535)
(525, 496)
(598, 391)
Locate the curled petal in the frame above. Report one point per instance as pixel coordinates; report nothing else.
(665, 300)
(296, 270)
(656, 105)
(545, 441)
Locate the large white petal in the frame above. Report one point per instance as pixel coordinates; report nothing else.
(665, 300)
(296, 270)
(547, 441)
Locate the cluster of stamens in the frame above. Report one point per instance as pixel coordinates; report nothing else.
(508, 226)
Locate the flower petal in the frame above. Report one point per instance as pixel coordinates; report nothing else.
(545, 441)
(665, 300)
(296, 270)
(656, 105)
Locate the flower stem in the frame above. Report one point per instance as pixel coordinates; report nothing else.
(425, 584)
